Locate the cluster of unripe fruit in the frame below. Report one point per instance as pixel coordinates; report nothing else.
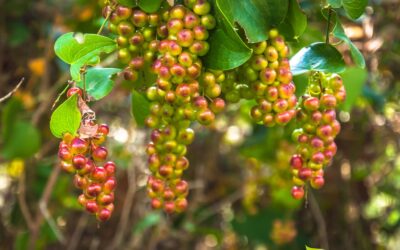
(86, 159)
(266, 78)
(317, 130)
(170, 42)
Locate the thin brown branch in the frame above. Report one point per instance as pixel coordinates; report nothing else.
(2, 99)
(123, 222)
(76, 236)
(22, 202)
(41, 214)
(319, 218)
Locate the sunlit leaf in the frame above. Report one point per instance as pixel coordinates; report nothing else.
(227, 50)
(98, 82)
(318, 56)
(82, 49)
(66, 118)
(256, 17)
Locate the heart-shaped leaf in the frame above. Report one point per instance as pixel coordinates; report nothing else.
(98, 82)
(79, 50)
(353, 8)
(150, 6)
(338, 32)
(295, 22)
(318, 56)
(227, 50)
(140, 107)
(24, 141)
(256, 17)
(66, 118)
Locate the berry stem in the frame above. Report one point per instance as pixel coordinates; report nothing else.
(328, 24)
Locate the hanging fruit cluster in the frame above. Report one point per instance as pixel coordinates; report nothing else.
(84, 156)
(317, 130)
(266, 78)
(183, 92)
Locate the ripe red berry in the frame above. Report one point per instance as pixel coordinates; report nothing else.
(74, 90)
(91, 206)
(103, 215)
(297, 192)
(100, 154)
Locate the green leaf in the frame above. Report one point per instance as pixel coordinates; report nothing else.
(295, 22)
(256, 17)
(150, 6)
(301, 82)
(140, 107)
(318, 56)
(338, 32)
(127, 3)
(24, 141)
(335, 3)
(226, 53)
(311, 248)
(354, 80)
(79, 50)
(66, 118)
(147, 222)
(98, 82)
(9, 116)
(354, 8)
(227, 50)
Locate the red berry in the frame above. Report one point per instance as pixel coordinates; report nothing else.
(91, 206)
(74, 90)
(100, 154)
(103, 215)
(297, 192)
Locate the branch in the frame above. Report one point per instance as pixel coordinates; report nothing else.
(319, 218)
(76, 236)
(130, 195)
(22, 202)
(12, 91)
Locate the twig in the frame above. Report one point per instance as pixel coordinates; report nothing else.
(120, 232)
(214, 209)
(76, 236)
(319, 218)
(43, 207)
(22, 202)
(12, 91)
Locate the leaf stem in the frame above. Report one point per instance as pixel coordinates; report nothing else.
(328, 24)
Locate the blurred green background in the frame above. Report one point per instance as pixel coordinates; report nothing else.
(239, 175)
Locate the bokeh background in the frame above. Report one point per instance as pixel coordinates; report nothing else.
(239, 176)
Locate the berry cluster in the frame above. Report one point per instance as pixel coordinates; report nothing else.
(85, 157)
(267, 78)
(318, 129)
(136, 33)
(176, 101)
